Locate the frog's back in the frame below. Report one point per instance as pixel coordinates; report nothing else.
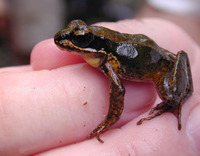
(139, 56)
(120, 38)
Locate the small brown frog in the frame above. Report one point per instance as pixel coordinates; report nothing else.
(133, 57)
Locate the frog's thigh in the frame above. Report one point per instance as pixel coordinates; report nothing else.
(181, 78)
(175, 86)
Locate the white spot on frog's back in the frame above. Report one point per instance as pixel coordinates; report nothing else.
(127, 50)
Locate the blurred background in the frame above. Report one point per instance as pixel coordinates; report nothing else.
(24, 23)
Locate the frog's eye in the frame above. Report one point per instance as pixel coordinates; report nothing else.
(82, 40)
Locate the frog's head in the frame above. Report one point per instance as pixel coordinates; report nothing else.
(76, 38)
(79, 39)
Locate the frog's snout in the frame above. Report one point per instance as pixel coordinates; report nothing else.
(61, 36)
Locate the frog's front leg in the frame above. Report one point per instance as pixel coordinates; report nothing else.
(117, 92)
(174, 87)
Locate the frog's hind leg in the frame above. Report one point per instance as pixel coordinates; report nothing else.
(174, 88)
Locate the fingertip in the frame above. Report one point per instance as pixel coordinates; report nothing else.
(46, 55)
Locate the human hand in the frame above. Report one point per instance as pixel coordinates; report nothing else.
(58, 101)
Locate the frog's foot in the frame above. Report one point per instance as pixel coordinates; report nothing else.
(161, 108)
(97, 131)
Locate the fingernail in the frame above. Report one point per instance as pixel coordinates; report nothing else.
(193, 127)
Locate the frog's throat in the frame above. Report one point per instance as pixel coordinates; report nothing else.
(93, 61)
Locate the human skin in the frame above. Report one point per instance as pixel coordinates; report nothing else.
(50, 106)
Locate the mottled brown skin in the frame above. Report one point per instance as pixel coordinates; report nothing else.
(131, 57)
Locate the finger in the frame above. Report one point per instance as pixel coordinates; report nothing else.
(156, 137)
(193, 50)
(46, 55)
(46, 109)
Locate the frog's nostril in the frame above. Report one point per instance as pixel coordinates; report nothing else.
(63, 36)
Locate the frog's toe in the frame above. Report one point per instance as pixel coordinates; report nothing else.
(97, 131)
(158, 107)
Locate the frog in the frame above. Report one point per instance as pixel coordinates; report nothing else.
(133, 57)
